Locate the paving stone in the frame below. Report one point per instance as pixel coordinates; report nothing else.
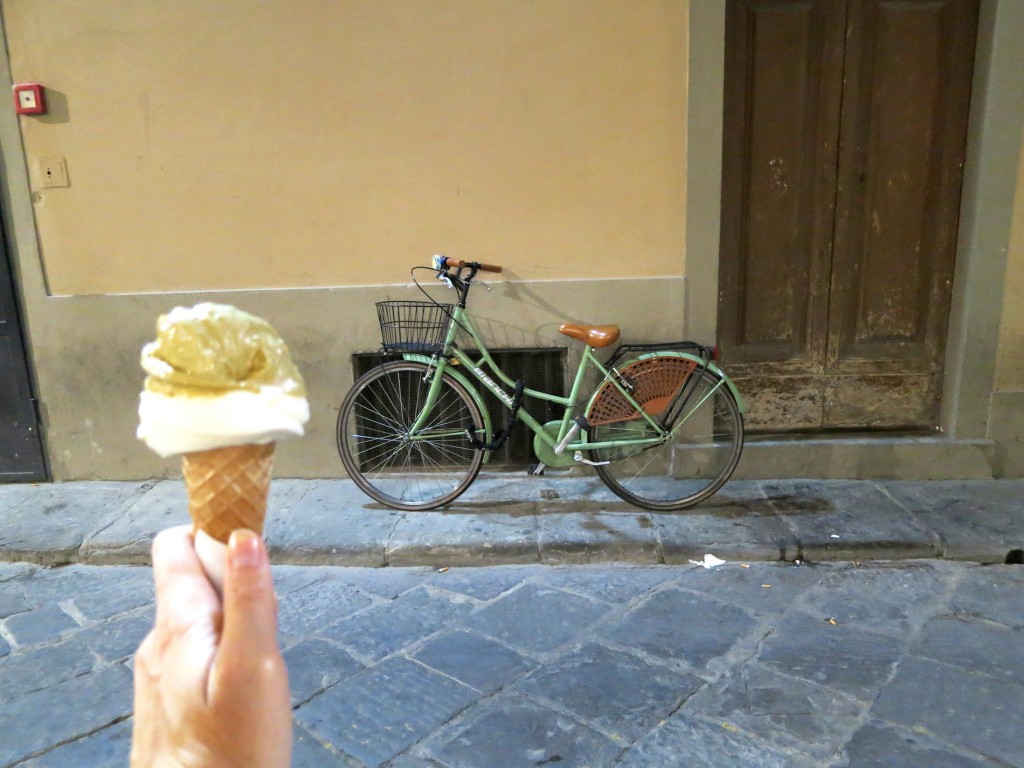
(108, 748)
(128, 538)
(27, 671)
(12, 600)
(603, 688)
(384, 629)
(975, 711)
(735, 523)
(481, 584)
(509, 732)
(292, 578)
(610, 583)
(131, 588)
(11, 571)
(97, 593)
(681, 626)
(591, 537)
(975, 645)
(413, 762)
(41, 625)
(118, 638)
(307, 752)
(842, 656)
(978, 521)
(309, 610)
(849, 520)
(705, 745)
(882, 597)
(875, 745)
(479, 662)
(13, 494)
(779, 709)
(536, 619)
(350, 528)
(451, 538)
(70, 709)
(314, 665)
(993, 592)
(767, 589)
(380, 712)
(50, 525)
(389, 583)
(555, 488)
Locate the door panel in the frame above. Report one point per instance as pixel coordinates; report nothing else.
(779, 180)
(21, 454)
(845, 127)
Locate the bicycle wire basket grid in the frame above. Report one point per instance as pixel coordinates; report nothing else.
(655, 380)
(413, 326)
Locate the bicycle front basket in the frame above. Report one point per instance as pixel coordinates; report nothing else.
(413, 326)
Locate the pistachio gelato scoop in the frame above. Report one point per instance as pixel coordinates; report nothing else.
(218, 376)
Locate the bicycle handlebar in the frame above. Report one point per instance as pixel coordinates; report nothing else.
(445, 262)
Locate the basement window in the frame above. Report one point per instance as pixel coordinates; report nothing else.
(541, 368)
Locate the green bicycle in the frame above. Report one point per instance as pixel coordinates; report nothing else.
(663, 428)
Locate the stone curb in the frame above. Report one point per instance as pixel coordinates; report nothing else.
(510, 519)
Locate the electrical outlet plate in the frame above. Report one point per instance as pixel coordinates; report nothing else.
(52, 172)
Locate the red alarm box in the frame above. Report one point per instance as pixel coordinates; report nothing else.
(29, 99)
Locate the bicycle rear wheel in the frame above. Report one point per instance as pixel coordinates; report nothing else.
(691, 465)
(386, 461)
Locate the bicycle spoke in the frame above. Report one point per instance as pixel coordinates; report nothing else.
(700, 454)
(391, 463)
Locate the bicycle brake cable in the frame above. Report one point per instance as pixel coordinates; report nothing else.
(431, 299)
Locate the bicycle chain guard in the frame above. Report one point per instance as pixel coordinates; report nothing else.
(546, 454)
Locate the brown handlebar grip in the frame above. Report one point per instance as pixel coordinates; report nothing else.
(460, 264)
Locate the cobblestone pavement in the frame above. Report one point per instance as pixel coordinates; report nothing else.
(915, 663)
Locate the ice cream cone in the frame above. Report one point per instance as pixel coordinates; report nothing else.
(227, 488)
(220, 390)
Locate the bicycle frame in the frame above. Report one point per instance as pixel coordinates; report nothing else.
(453, 356)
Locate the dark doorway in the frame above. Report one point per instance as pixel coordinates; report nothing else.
(845, 127)
(21, 450)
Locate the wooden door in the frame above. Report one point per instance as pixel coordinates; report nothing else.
(845, 127)
(21, 453)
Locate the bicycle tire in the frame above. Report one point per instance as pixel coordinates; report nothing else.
(374, 445)
(691, 466)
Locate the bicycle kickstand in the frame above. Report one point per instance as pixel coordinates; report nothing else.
(536, 469)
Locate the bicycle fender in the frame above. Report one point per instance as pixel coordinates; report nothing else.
(699, 361)
(468, 386)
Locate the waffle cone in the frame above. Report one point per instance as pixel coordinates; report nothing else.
(227, 488)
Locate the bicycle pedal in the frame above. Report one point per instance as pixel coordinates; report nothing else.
(536, 469)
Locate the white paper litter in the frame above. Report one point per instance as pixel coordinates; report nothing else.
(709, 561)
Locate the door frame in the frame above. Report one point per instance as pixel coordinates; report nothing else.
(995, 130)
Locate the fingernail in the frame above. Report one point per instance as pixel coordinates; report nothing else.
(245, 549)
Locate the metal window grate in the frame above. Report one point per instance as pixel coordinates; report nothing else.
(541, 368)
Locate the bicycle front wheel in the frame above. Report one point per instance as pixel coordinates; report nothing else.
(391, 464)
(691, 465)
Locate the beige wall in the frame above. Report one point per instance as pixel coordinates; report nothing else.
(1010, 352)
(213, 144)
(297, 157)
(265, 153)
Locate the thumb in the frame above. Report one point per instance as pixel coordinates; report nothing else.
(250, 607)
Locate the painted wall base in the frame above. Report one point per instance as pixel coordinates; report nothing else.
(86, 354)
(869, 458)
(1006, 428)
